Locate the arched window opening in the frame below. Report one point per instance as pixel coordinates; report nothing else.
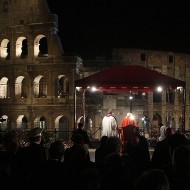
(62, 127)
(21, 122)
(40, 121)
(43, 122)
(157, 97)
(24, 53)
(5, 49)
(62, 86)
(43, 47)
(3, 122)
(4, 92)
(40, 46)
(21, 47)
(20, 87)
(8, 51)
(40, 87)
(170, 96)
(43, 88)
(24, 88)
(5, 6)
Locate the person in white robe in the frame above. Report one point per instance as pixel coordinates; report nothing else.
(109, 125)
(162, 132)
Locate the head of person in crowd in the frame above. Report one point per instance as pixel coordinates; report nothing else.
(80, 130)
(169, 131)
(80, 126)
(35, 135)
(176, 140)
(152, 180)
(181, 160)
(56, 150)
(114, 144)
(136, 130)
(77, 139)
(103, 140)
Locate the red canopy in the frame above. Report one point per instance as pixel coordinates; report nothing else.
(125, 78)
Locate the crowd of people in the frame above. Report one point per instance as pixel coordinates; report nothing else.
(120, 163)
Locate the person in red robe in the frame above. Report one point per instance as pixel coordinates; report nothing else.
(127, 125)
(128, 120)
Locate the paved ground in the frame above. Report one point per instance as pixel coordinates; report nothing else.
(92, 154)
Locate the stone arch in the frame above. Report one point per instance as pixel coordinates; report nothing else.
(21, 47)
(21, 122)
(62, 87)
(4, 88)
(20, 87)
(62, 127)
(4, 124)
(40, 87)
(40, 46)
(4, 49)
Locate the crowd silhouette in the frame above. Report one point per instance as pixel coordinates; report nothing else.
(36, 166)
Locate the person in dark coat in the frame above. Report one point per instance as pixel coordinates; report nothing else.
(78, 155)
(101, 151)
(138, 150)
(161, 154)
(80, 130)
(54, 171)
(180, 168)
(152, 180)
(175, 141)
(31, 157)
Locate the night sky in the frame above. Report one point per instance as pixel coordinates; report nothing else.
(94, 27)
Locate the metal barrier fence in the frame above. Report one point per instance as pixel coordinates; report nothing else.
(52, 135)
(21, 137)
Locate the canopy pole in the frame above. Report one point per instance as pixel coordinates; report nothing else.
(75, 108)
(83, 104)
(183, 111)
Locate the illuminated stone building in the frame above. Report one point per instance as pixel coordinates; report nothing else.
(36, 79)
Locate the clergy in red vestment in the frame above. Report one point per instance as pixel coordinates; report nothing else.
(127, 122)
